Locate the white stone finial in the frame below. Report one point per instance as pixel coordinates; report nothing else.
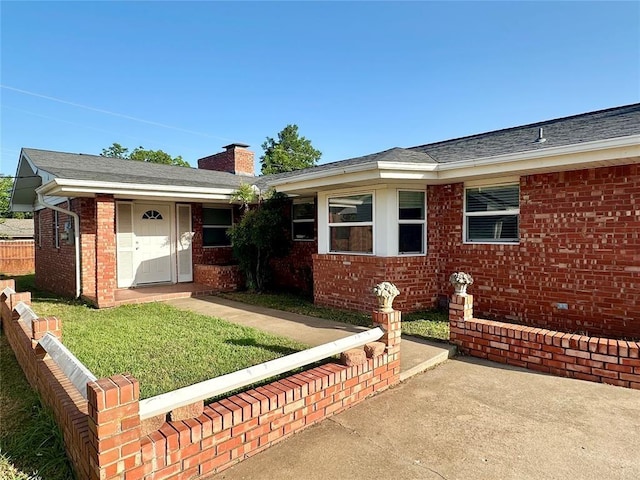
(460, 282)
(386, 293)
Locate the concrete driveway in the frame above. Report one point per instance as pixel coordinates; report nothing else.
(468, 419)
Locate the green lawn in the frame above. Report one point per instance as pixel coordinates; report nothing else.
(431, 324)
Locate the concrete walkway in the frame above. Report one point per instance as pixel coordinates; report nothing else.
(416, 355)
(467, 419)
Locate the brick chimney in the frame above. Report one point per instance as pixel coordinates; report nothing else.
(235, 159)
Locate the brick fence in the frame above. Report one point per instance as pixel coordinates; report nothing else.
(106, 439)
(596, 359)
(17, 257)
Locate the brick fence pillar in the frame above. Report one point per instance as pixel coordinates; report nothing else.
(460, 310)
(10, 282)
(105, 252)
(114, 427)
(390, 323)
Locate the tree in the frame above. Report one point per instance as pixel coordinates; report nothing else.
(261, 234)
(6, 184)
(115, 151)
(140, 154)
(290, 152)
(245, 195)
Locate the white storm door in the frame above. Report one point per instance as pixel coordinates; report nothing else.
(183, 246)
(152, 227)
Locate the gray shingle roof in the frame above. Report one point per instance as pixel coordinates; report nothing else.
(73, 166)
(16, 228)
(600, 125)
(587, 127)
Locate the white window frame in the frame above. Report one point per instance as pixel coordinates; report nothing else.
(513, 211)
(352, 224)
(422, 222)
(56, 229)
(216, 207)
(299, 201)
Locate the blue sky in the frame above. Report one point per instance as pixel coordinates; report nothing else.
(189, 77)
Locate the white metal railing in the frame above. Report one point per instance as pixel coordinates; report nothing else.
(68, 363)
(166, 402)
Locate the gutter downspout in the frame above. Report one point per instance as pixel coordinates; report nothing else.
(76, 234)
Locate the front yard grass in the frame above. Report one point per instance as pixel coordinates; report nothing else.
(163, 347)
(430, 324)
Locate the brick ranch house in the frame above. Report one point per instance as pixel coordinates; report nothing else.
(546, 217)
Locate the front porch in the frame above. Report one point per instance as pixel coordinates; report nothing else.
(159, 293)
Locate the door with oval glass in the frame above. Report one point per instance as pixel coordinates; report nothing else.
(152, 254)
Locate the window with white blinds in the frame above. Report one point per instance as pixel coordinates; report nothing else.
(492, 214)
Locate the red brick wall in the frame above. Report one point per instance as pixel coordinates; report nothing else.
(87, 212)
(347, 281)
(223, 278)
(580, 244)
(55, 267)
(595, 359)
(294, 272)
(106, 280)
(17, 257)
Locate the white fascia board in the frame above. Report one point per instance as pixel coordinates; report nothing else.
(79, 188)
(326, 180)
(315, 176)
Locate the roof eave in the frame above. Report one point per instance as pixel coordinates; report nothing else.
(88, 188)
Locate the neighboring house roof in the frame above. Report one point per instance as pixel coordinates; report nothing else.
(16, 228)
(79, 166)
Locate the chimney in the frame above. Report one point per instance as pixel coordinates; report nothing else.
(235, 159)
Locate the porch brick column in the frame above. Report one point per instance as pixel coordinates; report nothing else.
(114, 428)
(106, 282)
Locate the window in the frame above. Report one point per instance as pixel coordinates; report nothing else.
(152, 215)
(303, 214)
(411, 218)
(56, 229)
(492, 214)
(215, 223)
(351, 223)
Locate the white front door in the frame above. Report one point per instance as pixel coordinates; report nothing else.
(152, 255)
